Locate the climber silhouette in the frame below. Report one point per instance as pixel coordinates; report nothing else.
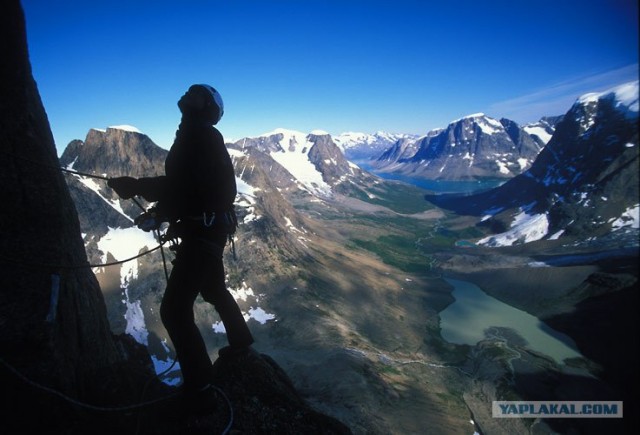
(196, 197)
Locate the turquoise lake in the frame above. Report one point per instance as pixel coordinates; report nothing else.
(467, 320)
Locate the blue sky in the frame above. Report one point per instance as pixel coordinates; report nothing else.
(336, 65)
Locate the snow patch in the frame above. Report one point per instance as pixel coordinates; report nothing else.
(629, 218)
(294, 157)
(502, 167)
(122, 244)
(525, 228)
(489, 125)
(245, 293)
(245, 188)
(625, 98)
(72, 164)
(91, 184)
(125, 127)
(538, 131)
(134, 316)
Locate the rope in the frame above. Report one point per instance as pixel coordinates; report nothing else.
(71, 171)
(77, 402)
(84, 174)
(81, 266)
(78, 266)
(224, 396)
(138, 406)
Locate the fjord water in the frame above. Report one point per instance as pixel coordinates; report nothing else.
(437, 186)
(473, 313)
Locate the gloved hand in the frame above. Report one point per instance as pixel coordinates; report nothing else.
(125, 187)
(148, 221)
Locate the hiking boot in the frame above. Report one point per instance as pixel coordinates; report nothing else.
(202, 401)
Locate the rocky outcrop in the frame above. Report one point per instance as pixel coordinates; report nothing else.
(125, 152)
(328, 159)
(250, 395)
(53, 317)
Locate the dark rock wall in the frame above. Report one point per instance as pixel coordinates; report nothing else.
(53, 317)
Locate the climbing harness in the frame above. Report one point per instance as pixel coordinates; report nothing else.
(211, 220)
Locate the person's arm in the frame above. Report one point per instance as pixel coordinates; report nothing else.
(151, 188)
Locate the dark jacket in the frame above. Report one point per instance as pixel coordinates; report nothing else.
(199, 175)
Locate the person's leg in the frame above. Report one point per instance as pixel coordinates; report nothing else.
(176, 312)
(214, 290)
(238, 333)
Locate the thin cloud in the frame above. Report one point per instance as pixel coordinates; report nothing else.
(558, 99)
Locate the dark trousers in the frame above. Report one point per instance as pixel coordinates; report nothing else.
(198, 268)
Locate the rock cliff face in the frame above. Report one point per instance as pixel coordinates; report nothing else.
(52, 313)
(103, 148)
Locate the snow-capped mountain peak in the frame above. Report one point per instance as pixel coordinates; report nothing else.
(543, 129)
(476, 146)
(124, 127)
(625, 98)
(351, 139)
(313, 160)
(358, 146)
(487, 124)
(471, 116)
(283, 131)
(294, 156)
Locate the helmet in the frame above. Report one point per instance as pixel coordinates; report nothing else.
(214, 106)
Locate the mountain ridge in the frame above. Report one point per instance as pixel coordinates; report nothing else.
(583, 181)
(473, 147)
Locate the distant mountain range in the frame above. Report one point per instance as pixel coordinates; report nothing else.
(359, 147)
(584, 183)
(474, 147)
(570, 180)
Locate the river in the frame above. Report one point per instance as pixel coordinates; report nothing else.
(467, 320)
